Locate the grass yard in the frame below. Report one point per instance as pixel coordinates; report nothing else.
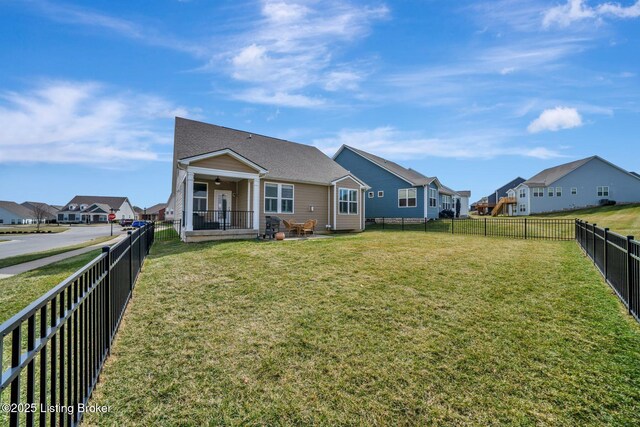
(373, 329)
(623, 219)
(19, 259)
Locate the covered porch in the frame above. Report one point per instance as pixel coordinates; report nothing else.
(221, 204)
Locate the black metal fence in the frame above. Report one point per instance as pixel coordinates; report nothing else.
(167, 229)
(617, 257)
(55, 347)
(518, 228)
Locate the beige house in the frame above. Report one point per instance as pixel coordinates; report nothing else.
(226, 183)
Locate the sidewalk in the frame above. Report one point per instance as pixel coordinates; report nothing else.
(32, 265)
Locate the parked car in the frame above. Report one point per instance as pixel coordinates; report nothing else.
(138, 224)
(126, 222)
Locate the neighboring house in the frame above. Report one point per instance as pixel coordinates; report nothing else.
(154, 213)
(169, 214)
(485, 205)
(396, 191)
(95, 209)
(138, 212)
(13, 213)
(46, 212)
(578, 184)
(464, 197)
(226, 183)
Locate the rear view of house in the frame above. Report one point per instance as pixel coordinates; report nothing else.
(587, 182)
(399, 192)
(13, 213)
(228, 183)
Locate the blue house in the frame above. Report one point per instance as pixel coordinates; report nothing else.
(398, 192)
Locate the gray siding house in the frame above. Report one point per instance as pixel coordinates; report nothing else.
(13, 213)
(574, 185)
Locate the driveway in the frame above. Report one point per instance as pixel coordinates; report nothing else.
(21, 244)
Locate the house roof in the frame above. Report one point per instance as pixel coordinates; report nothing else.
(502, 191)
(109, 201)
(464, 193)
(446, 190)
(155, 208)
(16, 209)
(49, 210)
(551, 175)
(282, 159)
(413, 177)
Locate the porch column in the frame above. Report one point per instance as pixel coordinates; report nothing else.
(188, 210)
(248, 195)
(256, 204)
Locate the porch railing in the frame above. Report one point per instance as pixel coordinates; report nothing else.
(222, 220)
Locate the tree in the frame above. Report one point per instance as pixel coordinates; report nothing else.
(40, 213)
(458, 208)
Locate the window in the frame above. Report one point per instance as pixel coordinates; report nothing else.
(72, 217)
(380, 193)
(446, 202)
(199, 196)
(348, 201)
(558, 191)
(523, 207)
(60, 217)
(574, 191)
(538, 192)
(603, 191)
(278, 198)
(523, 193)
(433, 197)
(407, 198)
(370, 194)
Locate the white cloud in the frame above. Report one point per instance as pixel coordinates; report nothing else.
(291, 51)
(577, 10)
(556, 119)
(394, 144)
(83, 122)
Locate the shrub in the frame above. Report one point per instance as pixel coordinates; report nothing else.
(447, 213)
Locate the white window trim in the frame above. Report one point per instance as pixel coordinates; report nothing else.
(574, 191)
(380, 193)
(603, 191)
(538, 192)
(279, 211)
(558, 191)
(407, 198)
(551, 191)
(434, 192)
(206, 203)
(348, 202)
(522, 193)
(370, 194)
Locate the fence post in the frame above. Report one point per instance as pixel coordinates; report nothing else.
(606, 253)
(485, 227)
(107, 298)
(425, 225)
(629, 275)
(594, 244)
(525, 229)
(130, 262)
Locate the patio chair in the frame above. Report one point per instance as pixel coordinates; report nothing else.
(309, 226)
(288, 226)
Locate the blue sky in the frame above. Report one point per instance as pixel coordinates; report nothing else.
(473, 92)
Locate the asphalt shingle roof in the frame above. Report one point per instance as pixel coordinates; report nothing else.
(551, 175)
(16, 209)
(282, 159)
(50, 211)
(111, 202)
(502, 191)
(414, 177)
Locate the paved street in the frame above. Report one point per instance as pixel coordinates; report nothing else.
(21, 244)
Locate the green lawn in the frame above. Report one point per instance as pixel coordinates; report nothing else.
(623, 219)
(374, 329)
(19, 259)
